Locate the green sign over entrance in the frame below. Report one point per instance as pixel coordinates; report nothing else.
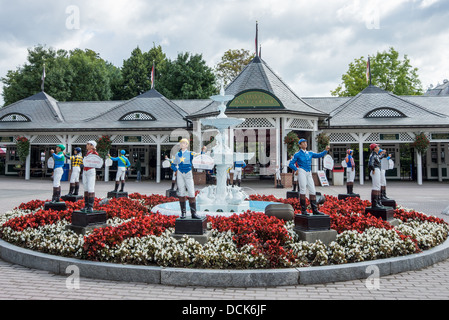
(255, 99)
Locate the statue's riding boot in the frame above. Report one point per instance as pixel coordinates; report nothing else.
(192, 204)
(375, 199)
(239, 182)
(86, 201)
(302, 202)
(122, 186)
(351, 191)
(76, 188)
(383, 193)
(172, 186)
(71, 190)
(117, 183)
(348, 188)
(182, 203)
(379, 199)
(56, 195)
(90, 202)
(294, 186)
(53, 196)
(314, 206)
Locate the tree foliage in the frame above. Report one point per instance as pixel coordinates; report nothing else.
(388, 72)
(187, 77)
(136, 71)
(82, 75)
(78, 75)
(231, 64)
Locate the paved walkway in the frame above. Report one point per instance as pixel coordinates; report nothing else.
(17, 282)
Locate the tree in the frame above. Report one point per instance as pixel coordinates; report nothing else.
(135, 73)
(78, 75)
(25, 81)
(187, 77)
(231, 64)
(388, 72)
(90, 80)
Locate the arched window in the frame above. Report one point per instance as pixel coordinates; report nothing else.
(385, 113)
(138, 116)
(15, 117)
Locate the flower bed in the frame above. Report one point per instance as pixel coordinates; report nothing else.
(245, 241)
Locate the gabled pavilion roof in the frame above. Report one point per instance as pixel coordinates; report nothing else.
(258, 76)
(153, 109)
(40, 109)
(439, 89)
(374, 107)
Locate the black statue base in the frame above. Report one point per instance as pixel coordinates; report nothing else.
(191, 226)
(384, 213)
(389, 203)
(117, 194)
(293, 194)
(171, 193)
(72, 198)
(280, 186)
(350, 195)
(311, 222)
(83, 222)
(83, 219)
(55, 206)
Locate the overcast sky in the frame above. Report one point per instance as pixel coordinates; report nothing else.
(308, 43)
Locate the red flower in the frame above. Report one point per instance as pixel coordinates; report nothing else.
(266, 235)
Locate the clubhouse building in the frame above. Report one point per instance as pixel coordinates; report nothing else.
(149, 127)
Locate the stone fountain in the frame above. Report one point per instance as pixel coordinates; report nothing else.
(220, 199)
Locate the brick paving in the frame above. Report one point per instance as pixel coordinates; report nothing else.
(18, 283)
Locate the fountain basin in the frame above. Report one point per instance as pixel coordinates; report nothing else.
(173, 208)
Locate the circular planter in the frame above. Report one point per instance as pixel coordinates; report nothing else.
(222, 278)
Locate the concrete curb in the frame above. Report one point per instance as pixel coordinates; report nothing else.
(222, 278)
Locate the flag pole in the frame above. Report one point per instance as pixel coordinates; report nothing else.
(152, 76)
(257, 39)
(369, 63)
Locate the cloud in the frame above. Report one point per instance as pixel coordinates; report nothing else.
(308, 44)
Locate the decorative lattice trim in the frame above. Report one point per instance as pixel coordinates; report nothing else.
(46, 139)
(147, 139)
(374, 137)
(404, 136)
(341, 137)
(85, 138)
(300, 124)
(256, 123)
(118, 139)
